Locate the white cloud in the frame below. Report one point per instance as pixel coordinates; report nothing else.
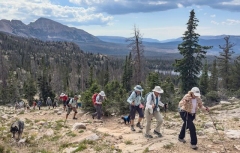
(214, 22)
(27, 11)
(213, 16)
(233, 2)
(231, 22)
(179, 5)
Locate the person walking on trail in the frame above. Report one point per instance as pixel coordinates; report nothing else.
(49, 102)
(135, 105)
(152, 110)
(72, 106)
(34, 104)
(64, 99)
(188, 107)
(39, 104)
(79, 102)
(98, 105)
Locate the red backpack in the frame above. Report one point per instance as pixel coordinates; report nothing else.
(94, 96)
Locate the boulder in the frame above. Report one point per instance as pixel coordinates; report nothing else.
(49, 132)
(92, 137)
(77, 126)
(233, 134)
(59, 112)
(208, 125)
(4, 117)
(225, 103)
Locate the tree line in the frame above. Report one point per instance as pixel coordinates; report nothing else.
(32, 67)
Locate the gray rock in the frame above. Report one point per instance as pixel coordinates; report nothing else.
(225, 103)
(208, 125)
(93, 137)
(77, 126)
(49, 132)
(59, 113)
(233, 134)
(4, 117)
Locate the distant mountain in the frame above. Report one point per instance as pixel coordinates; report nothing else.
(49, 30)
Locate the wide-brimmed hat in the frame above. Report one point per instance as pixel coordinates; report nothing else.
(158, 89)
(62, 94)
(138, 88)
(196, 91)
(102, 94)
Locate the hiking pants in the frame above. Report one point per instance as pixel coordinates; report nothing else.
(149, 116)
(190, 125)
(98, 112)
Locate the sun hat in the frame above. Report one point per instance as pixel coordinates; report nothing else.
(196, 91)
(102, 94)
(62, 94)
(158, 89)
(138, 88)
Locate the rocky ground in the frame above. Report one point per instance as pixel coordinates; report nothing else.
(45, 132)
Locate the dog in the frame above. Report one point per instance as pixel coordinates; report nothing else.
(126, 119)
(17, 127)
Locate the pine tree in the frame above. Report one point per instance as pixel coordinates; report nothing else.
(224, 60)
(193, 53)
(203, 83)
(236, 74)
(127, 73)
(213, 81)
(152, 81)
(29, 90)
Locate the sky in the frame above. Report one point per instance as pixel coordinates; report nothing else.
(157, 19)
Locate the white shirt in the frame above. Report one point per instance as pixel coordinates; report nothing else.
(150, 102)
(194, 105)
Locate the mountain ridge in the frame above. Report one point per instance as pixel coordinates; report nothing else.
(49, 30)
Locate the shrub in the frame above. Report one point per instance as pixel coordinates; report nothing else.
(212, 97)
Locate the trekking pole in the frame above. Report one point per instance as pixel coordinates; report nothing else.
(217, 131)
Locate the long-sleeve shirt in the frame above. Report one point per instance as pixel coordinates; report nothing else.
(152, 99)
(187, 105)
(134, 97)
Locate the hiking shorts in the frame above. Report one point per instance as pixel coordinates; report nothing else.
(65, 103)
(133, 112)
(69, 109)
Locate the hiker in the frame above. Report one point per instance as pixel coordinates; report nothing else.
(39, 104)
(72, 106)
(49, 102)
(79, 101)
(135, 105)
(152, 110)
(34, 104)
(188, 107)
(64, 99)
(98, 105)
(55, 102)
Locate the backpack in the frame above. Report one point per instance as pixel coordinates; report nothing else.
(68, 100)
(145, 99)
(94, 96)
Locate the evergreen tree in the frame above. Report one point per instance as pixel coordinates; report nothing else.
(224, 60)
(193, 53)
(152, 81)
(127, 73)
(29, 90)
(236, 74)
(213, 81)
(203, 83)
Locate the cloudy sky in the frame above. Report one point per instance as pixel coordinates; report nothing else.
(158, 19)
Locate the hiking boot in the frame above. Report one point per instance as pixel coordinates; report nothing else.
(92, 116)
(194, 147)
(182, 140)
(148, 136)
(157, 133)
(132, 128)
(139, 125)
(75, 118)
